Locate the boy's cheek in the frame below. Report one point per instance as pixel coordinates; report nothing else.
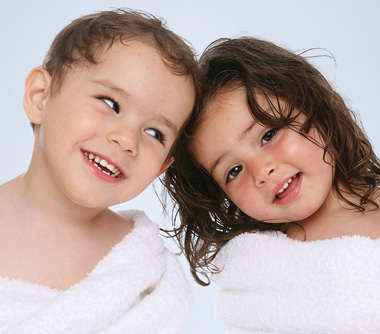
(165, 166)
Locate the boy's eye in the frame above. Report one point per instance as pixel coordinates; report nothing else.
(111, 103)
(233, 173)
(268, 135)
(156, 134)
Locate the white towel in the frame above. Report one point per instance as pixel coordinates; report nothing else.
(139, 288)
(270, 283)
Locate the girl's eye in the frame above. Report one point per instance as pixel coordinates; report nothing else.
(268, 136)
(156, 134)
(234, 172)
(111, 103)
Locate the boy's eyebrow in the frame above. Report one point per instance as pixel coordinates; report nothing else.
(169, 124)
(240, 138)
(111, 86)
(122, 93)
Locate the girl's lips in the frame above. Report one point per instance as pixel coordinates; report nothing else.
(290, 192)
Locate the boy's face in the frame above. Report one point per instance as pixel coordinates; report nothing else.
(104, 137)
(273, 175)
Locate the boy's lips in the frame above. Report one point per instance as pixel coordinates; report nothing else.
(104, 165)
(287, 190)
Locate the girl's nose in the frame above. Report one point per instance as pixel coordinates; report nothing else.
(262, 172)
(127, 140)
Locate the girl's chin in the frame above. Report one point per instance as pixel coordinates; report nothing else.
(277, 221)
(284, 220)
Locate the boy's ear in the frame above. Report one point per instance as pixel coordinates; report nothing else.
(37, 85)
(165, 166)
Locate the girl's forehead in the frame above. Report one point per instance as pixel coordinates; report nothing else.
(226, 99)
(223, 111)
(230, 99)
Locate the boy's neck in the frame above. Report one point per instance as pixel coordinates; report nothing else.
(41, 242)
(34, 204)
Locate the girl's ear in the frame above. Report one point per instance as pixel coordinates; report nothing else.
(37, 85)
(165, 166)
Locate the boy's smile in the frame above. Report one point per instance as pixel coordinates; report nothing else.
(106, 134)
(103, 168)
(273, 175)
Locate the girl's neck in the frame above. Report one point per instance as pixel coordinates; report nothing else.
(335, 219)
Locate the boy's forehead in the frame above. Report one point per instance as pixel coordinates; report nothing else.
(135, 73)
(127, 46)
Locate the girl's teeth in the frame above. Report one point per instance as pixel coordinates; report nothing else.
(285, 186)
(91, 156)
(97, 159)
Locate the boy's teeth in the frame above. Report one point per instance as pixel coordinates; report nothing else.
(103, 163)
(114, 171)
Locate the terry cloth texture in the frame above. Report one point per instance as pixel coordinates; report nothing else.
(138, 288)
(270, 283)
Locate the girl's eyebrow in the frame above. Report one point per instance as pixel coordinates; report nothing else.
(216, 163)
(247, 129)
(239, 139)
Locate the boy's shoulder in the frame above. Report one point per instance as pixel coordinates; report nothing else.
(115, 226)
(135, 219)
(8, 198)
(125, 222)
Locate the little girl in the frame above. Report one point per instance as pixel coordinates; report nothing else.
(277, 191)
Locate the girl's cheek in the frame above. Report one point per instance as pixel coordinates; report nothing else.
(329, 159)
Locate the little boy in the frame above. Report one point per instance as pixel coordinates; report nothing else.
(106, 107)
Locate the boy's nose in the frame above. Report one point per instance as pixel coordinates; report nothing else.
(128, 141)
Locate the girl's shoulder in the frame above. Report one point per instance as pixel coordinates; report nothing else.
(268, 254)
(277, 243)
(324, 286)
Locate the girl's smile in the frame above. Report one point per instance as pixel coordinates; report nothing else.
(273, 175)
(289, 190)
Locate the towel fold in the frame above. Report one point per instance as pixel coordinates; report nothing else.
(139, 287)
(270, 283)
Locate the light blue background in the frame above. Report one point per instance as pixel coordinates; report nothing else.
(349, 29)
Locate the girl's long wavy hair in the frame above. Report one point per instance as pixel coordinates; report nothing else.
(204, 218)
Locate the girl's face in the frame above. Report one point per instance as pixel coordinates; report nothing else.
(273, 175)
